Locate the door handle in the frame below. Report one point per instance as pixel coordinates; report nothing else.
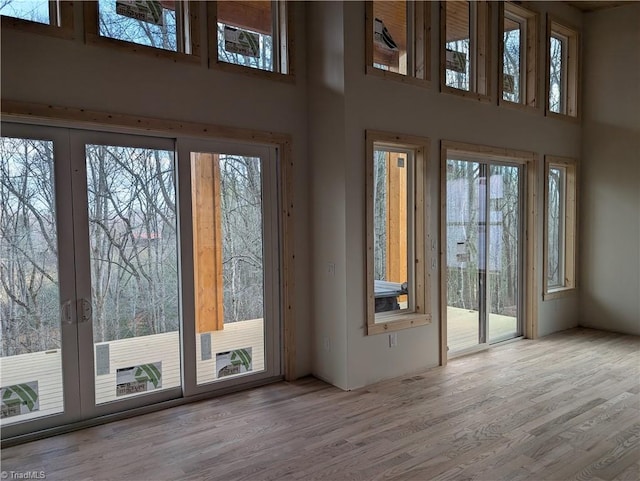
(85, 310)
(65, 312)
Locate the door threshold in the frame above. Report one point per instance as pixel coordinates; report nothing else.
(468, 350)
(482, 347)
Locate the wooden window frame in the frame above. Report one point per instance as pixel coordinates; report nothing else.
(487, 153)
(63, 16)
(570, 214)
(570, 96)
(190, 55)
(421, 314)
(285, 22)
(419, 40)
(480, 48)
(529, 96)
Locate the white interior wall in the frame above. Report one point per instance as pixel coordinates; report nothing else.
(328, 190)
(610, 188)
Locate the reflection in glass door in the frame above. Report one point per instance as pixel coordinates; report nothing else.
(134, 307)
(503, 283)
(234, 225)
(483, 222)
(37, 337)
(30, 295)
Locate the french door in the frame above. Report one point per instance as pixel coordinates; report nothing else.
(108, 275)
(484, 225)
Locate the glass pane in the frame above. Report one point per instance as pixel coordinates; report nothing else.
(32, 10)
(391, 231)
(151, 23)
(31, 361)
(512, 61)
(503, 255)
(458, 45)
(228, 265)
(390, 36)
(465, 252)
(245, 34)
(134, 270)
(556, 75)
(555, 227)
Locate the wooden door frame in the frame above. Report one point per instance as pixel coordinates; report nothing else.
(530, 161)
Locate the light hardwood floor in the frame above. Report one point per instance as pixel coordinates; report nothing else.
(564, 407)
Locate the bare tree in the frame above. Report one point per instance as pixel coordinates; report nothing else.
(29, 296)
(241, 210)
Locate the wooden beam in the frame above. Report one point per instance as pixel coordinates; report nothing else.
(207, 242)
(397, 219)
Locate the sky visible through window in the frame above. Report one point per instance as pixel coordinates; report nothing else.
(32, 10)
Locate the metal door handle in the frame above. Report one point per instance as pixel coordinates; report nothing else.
(65, 313)
(85, 310)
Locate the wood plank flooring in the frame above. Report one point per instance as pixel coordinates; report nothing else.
(565, 407)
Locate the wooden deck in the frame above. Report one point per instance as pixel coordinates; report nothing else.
(45, 367)
(565, 407)
(462, 328)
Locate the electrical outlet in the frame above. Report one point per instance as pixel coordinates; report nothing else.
(327, 344)
(393, 339)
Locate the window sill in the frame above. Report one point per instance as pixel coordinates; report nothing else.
(20, 25)
(465, 94)
(518, 106)
(567, 117)
(558, 293)
(136, 48)
(253, 72)
(397, 77)
(399, 322)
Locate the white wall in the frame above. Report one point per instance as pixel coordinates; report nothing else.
(610, 187)
(374, 103)
(328, 188)
(70, 73)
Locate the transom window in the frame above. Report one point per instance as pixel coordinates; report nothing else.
(519, 55)
(252, 34)
(397, 38)
(465, 46)
(155, 24)
(562, 71)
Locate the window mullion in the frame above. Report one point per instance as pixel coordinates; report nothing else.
(411, 38)
(275, 36)
(182, 14)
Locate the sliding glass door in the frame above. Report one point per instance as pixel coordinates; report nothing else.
(117, 293)
(127, 270)
(39, 348)
(232, 216)
(484, 253)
